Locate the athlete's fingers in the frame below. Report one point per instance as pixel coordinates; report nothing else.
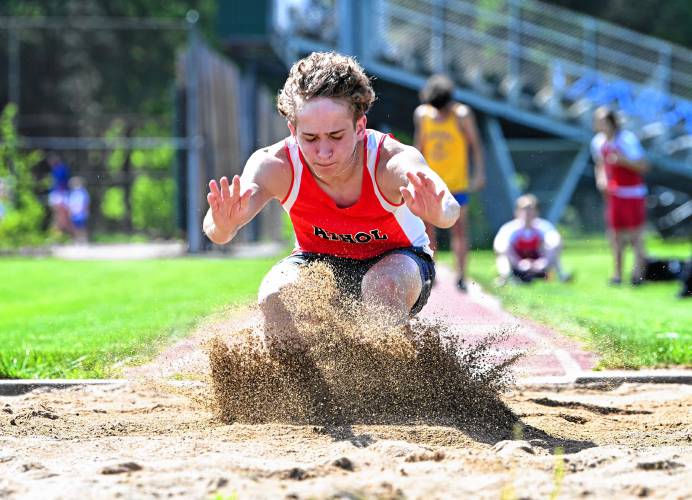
(408, 196)
(225, 191)
(428, 183)
(425, 180)
(414, 179)
(439, 196)
(244, 199)
(213, 202)
(214, 188)
(235, 188)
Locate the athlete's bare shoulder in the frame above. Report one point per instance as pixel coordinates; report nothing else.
(390, 148)
(462, 110)
(270, 168)
(420, 110)
(395, 157)
(272, 156)
(423, 110)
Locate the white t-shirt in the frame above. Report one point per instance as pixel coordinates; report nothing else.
(514, 230)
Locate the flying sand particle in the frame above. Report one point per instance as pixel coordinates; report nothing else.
(345, 363)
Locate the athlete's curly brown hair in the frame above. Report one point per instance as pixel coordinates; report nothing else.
(326, 74)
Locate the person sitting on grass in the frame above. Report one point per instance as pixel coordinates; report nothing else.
(528, 247)
(357, 198)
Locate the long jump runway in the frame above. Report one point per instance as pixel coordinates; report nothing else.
(476, 314)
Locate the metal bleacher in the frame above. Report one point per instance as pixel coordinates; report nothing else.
(522, 62)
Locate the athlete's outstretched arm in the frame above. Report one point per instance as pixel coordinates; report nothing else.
(233, 204)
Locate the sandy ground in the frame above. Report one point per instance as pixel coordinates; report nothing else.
(149, 438)
(142, 440)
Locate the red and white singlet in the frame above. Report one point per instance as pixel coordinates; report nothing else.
(527, 243)
(531, 242)
(368, 228)
(626, 191)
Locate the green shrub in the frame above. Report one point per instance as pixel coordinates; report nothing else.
(22, 223)
(153, 206)
(113, 204)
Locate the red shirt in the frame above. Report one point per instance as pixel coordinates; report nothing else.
(617, 175)
(369, 227)
(527, 243)
(623, 182)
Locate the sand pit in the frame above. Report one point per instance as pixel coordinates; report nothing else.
(143, 440)
(367, 412)
(337, 362)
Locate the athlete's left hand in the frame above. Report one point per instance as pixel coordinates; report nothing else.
(422, 198)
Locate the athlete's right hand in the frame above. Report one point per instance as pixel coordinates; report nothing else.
(229, 207)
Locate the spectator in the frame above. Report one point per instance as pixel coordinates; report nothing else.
(58, 194)
(619, 167)
(528, 247)
(445, 130)
(78, 204)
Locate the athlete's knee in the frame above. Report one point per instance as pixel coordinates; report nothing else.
(385, 284)
(395, 278)
(278, 326)
(275, 281)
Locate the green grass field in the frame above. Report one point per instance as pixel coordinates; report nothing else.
(77, 319)
(630, 326)
(84, 319)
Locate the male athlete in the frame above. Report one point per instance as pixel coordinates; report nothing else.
(445, 130)
(528, 247)
(356, 197)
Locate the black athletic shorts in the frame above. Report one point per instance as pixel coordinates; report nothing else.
(349, 272)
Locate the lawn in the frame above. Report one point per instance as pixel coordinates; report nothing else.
(77, 319)
(81, 319)
(631, 326)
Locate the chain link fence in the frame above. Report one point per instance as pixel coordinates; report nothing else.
(141, 109)
(100, 94)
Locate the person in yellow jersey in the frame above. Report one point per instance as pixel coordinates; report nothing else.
(446, 134)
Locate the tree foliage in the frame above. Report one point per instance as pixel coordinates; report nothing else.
(24, 215)
(669, 20)
(106, 82)
(75, 82)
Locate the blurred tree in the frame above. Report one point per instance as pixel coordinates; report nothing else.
(669, 20)
(21, 222)
(75, 82)
(105, 82)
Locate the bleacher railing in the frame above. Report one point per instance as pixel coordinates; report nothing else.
(533, 54)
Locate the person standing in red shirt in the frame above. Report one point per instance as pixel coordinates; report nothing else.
(619, 167)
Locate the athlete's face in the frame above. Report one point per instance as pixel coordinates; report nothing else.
(327, 136)
(601, 124)
(526, 214)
